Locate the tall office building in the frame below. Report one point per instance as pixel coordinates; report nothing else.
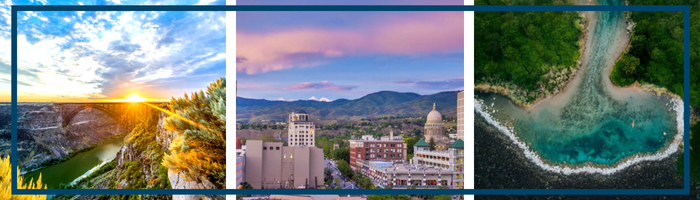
(300, 130)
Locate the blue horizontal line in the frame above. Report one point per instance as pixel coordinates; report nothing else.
(358, 191)
(344, 8)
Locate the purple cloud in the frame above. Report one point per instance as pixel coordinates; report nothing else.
(405, 81)
(323, 85)
(441, 85)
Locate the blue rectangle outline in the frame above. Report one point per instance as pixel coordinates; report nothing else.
(686, 63)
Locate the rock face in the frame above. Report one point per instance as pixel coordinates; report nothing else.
(149, 157)
(179, 182)
(139, 161)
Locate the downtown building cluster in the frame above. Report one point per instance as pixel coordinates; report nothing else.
(270, 165)
(431, 167)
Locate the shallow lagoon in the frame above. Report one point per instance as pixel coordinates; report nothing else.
(591, 123)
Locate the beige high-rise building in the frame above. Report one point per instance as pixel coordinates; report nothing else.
(269, 165)
(301, 131)
(460, 115)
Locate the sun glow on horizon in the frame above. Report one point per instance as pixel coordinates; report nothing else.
(133, 98)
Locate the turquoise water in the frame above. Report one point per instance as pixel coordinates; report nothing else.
(592, 124)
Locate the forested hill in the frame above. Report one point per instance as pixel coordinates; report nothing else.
(531, 54)
(656, 51)
(656, 56)
(379, 104)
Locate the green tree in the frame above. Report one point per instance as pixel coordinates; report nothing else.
(629, 65)
(243, 185)
(410, 141)
(364, 182)
(345, 168)
(199, 122)
(520, 48)
(326, 150)
(342, 154)
(432, 144)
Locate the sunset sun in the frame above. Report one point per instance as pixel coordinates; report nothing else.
(134, 98)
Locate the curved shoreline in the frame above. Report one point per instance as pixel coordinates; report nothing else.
(533, 156)
(615, 91)
(572, 75)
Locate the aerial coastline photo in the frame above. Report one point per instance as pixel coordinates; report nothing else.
(106, 100)
(350, 100)
(586, 100)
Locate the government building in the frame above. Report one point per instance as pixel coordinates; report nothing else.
(435, 130)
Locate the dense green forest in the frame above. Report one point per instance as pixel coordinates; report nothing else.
(656, 56)
(525, 49)
(656, 50)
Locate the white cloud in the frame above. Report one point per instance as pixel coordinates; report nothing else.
(159, 74)
(205, 2)
(90, 60)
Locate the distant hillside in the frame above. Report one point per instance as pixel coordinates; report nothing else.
(379, 104)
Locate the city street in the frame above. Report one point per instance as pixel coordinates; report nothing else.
(345, 183)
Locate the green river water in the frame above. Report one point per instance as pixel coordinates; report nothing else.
(70, 170)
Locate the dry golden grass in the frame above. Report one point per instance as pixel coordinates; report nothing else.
(5, 178)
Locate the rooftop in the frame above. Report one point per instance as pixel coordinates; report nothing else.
(459, 144)
(421, 143)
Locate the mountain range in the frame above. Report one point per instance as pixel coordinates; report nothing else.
(378, 104)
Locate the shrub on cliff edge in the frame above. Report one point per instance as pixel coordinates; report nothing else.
(199, 121)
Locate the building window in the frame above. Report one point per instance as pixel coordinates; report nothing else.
(284, 156)
(277, 148)
(291, 156)
(264, 148)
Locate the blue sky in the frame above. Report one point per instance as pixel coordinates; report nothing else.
(89, 56)
(332, 55)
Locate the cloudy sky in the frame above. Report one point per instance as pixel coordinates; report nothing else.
(332, 55)
(92, 56)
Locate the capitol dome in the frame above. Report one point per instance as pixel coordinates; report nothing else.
(434, 116)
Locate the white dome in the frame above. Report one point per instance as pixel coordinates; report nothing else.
(434, 116)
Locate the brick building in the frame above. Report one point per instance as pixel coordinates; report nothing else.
(366, 150)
